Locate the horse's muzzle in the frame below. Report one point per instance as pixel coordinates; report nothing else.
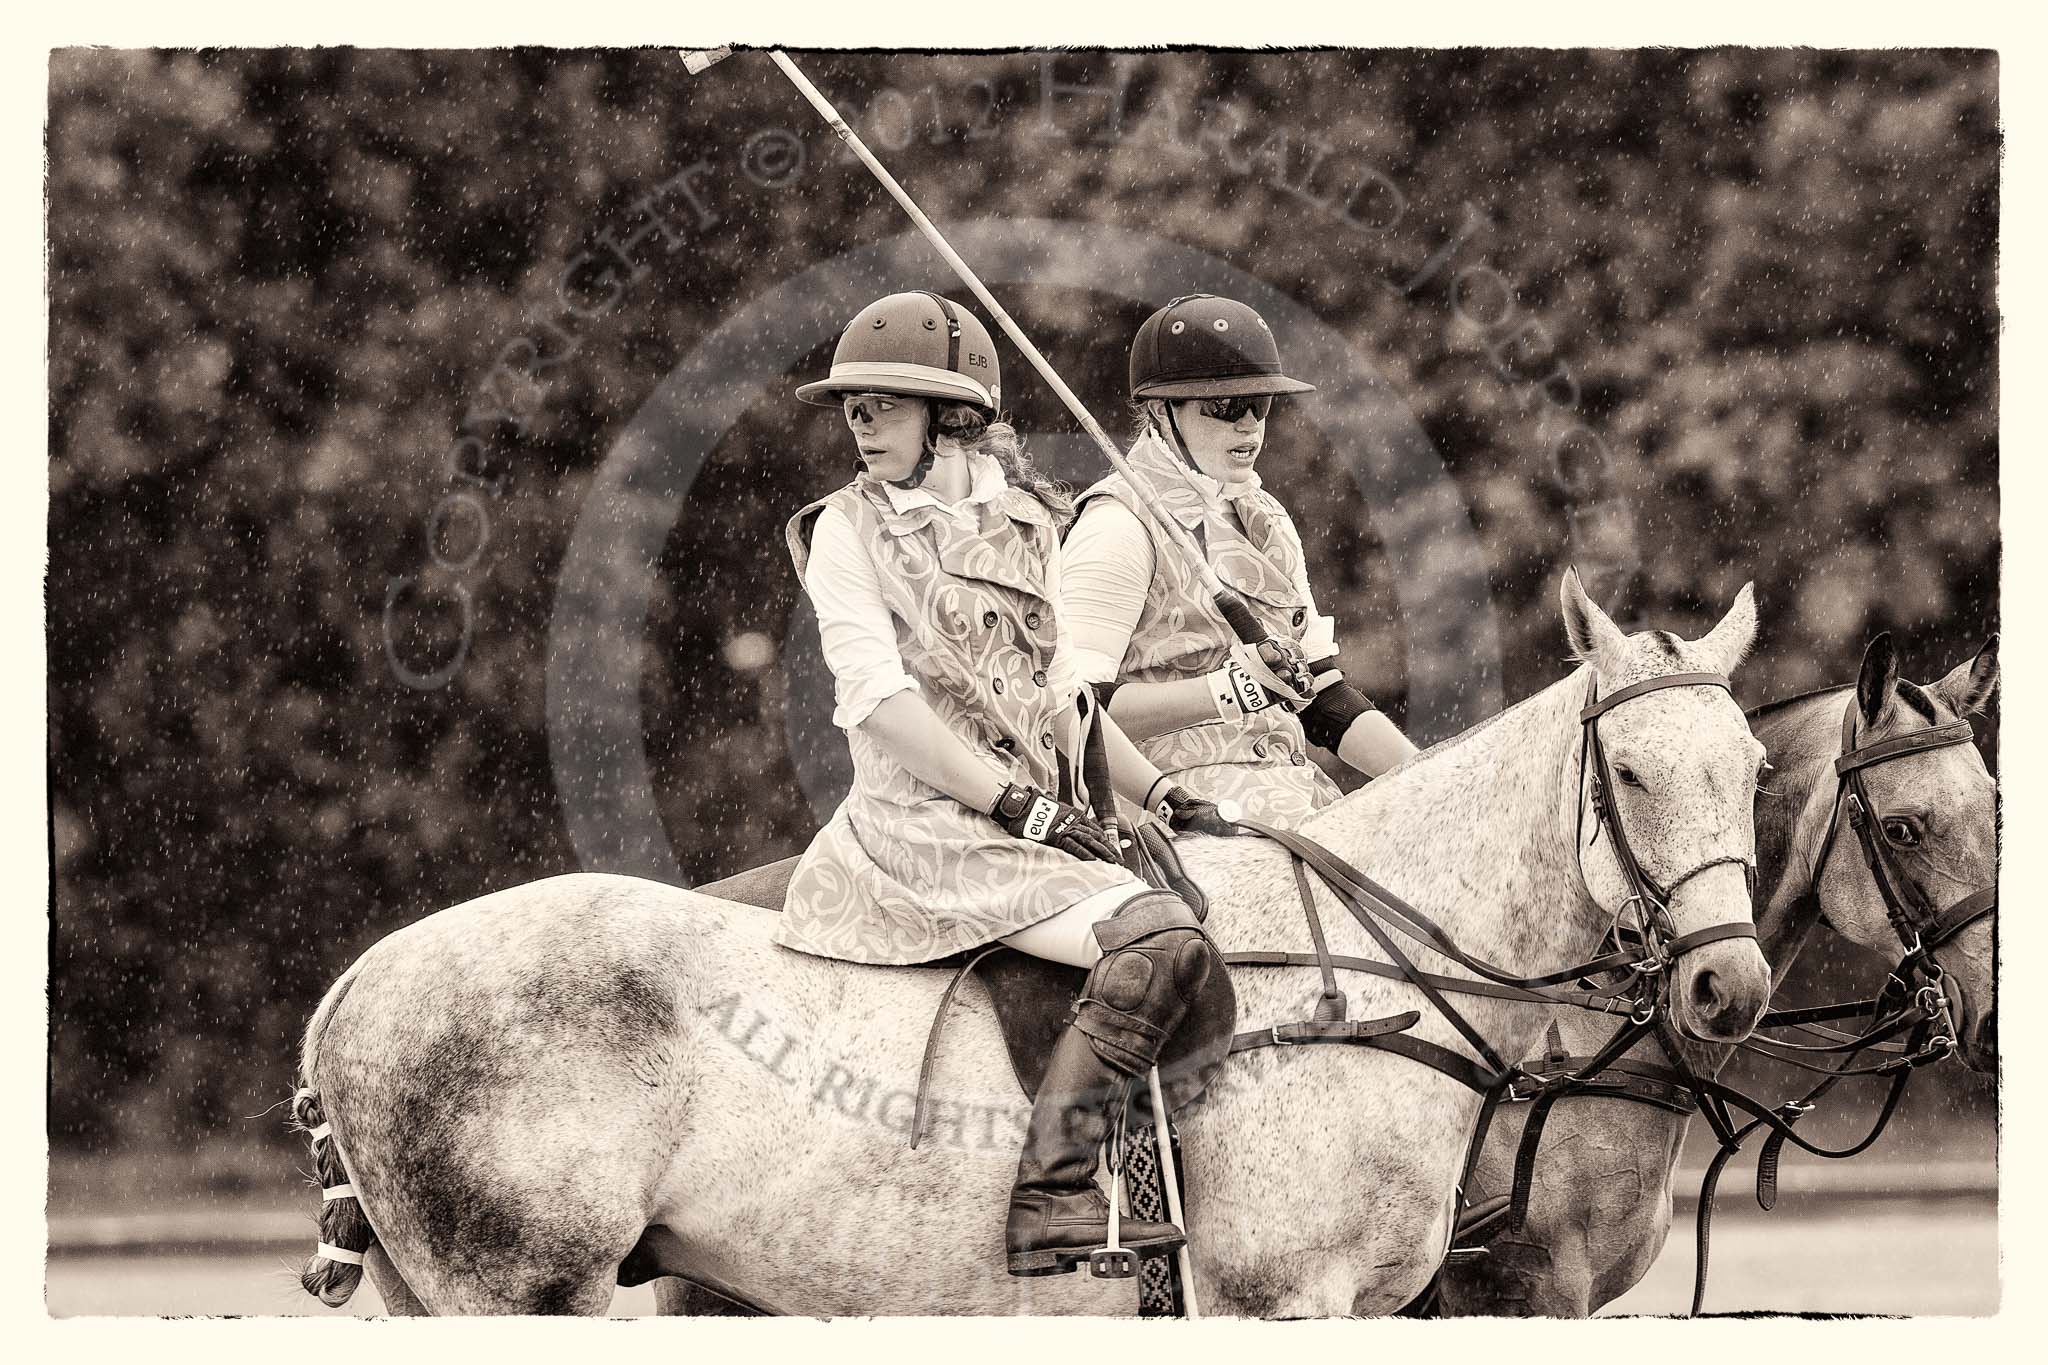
(1720, 991)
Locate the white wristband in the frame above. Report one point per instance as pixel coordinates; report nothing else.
(1235, 692)
(1038, 820)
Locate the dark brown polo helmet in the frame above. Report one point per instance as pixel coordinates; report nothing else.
(1202, 346)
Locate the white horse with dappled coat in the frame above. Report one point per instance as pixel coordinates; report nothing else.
(595, 1079)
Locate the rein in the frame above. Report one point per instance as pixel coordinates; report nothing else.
(1637, 962)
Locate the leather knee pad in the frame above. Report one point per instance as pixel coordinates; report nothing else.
(1156, 959)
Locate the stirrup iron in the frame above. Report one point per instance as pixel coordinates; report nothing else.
(1114, 1261)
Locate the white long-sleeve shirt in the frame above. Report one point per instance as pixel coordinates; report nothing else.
(854, 626)
(1109, 563)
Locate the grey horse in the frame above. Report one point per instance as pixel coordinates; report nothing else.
(534, 1096)
(1600, 1206)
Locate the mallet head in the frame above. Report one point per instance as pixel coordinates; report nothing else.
(697, 63)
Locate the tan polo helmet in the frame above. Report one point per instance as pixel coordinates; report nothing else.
(917, 343)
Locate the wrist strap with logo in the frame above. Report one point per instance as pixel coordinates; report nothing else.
(1236, 693)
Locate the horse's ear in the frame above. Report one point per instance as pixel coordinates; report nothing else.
(1591, 633)
(1877, 681)
(1727, 644)
(1968, 686)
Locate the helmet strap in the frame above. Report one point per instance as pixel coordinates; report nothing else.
(1180, 442)
(924, 466)
(962, 432)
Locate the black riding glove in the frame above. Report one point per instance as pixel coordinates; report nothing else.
(1029, 813)
(1186, 813)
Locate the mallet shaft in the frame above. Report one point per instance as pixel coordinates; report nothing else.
(1210, 583)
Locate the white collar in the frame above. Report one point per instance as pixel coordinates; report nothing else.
(986, 485)
(1214, 492)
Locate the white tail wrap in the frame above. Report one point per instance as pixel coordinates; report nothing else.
(341, 1254)
(333, 1192)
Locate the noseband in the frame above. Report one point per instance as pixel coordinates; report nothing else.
(1653, 902)
(1919, 927)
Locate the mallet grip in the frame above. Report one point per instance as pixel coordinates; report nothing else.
(1243, 624)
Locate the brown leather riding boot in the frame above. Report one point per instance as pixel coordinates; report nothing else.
(1155, 960)
(1057, 1214)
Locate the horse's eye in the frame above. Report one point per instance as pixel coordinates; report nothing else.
(1626, 775)
(1901, 833)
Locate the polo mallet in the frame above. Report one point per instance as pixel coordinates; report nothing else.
(1232, 607)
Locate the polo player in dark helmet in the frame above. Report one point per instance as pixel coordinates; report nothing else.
(1204, 376)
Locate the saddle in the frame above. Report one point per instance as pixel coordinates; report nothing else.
(1033, 999)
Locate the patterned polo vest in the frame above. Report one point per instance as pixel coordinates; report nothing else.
(1262, 762)
(902, 872)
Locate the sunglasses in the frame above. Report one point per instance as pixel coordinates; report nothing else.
(1232, 409)
(866, 407)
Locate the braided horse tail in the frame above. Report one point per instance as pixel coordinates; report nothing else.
(336, 1265)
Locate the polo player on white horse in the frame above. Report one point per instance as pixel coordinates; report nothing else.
(936, 579)
(1204, 374)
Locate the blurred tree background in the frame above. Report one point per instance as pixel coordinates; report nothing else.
(300, 298)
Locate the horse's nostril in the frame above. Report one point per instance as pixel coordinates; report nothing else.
(1706, 994)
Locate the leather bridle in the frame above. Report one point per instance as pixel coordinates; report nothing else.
(1921, 929)
(1907, 1026)
(1637, 964)
(1637, 981)
(1652, 901)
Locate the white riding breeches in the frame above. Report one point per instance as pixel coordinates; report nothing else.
(1069, 936)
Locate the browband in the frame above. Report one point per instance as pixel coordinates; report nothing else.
(1636, 689)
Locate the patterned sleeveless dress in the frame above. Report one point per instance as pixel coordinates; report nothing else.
(1261, 763)
(903, 873)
